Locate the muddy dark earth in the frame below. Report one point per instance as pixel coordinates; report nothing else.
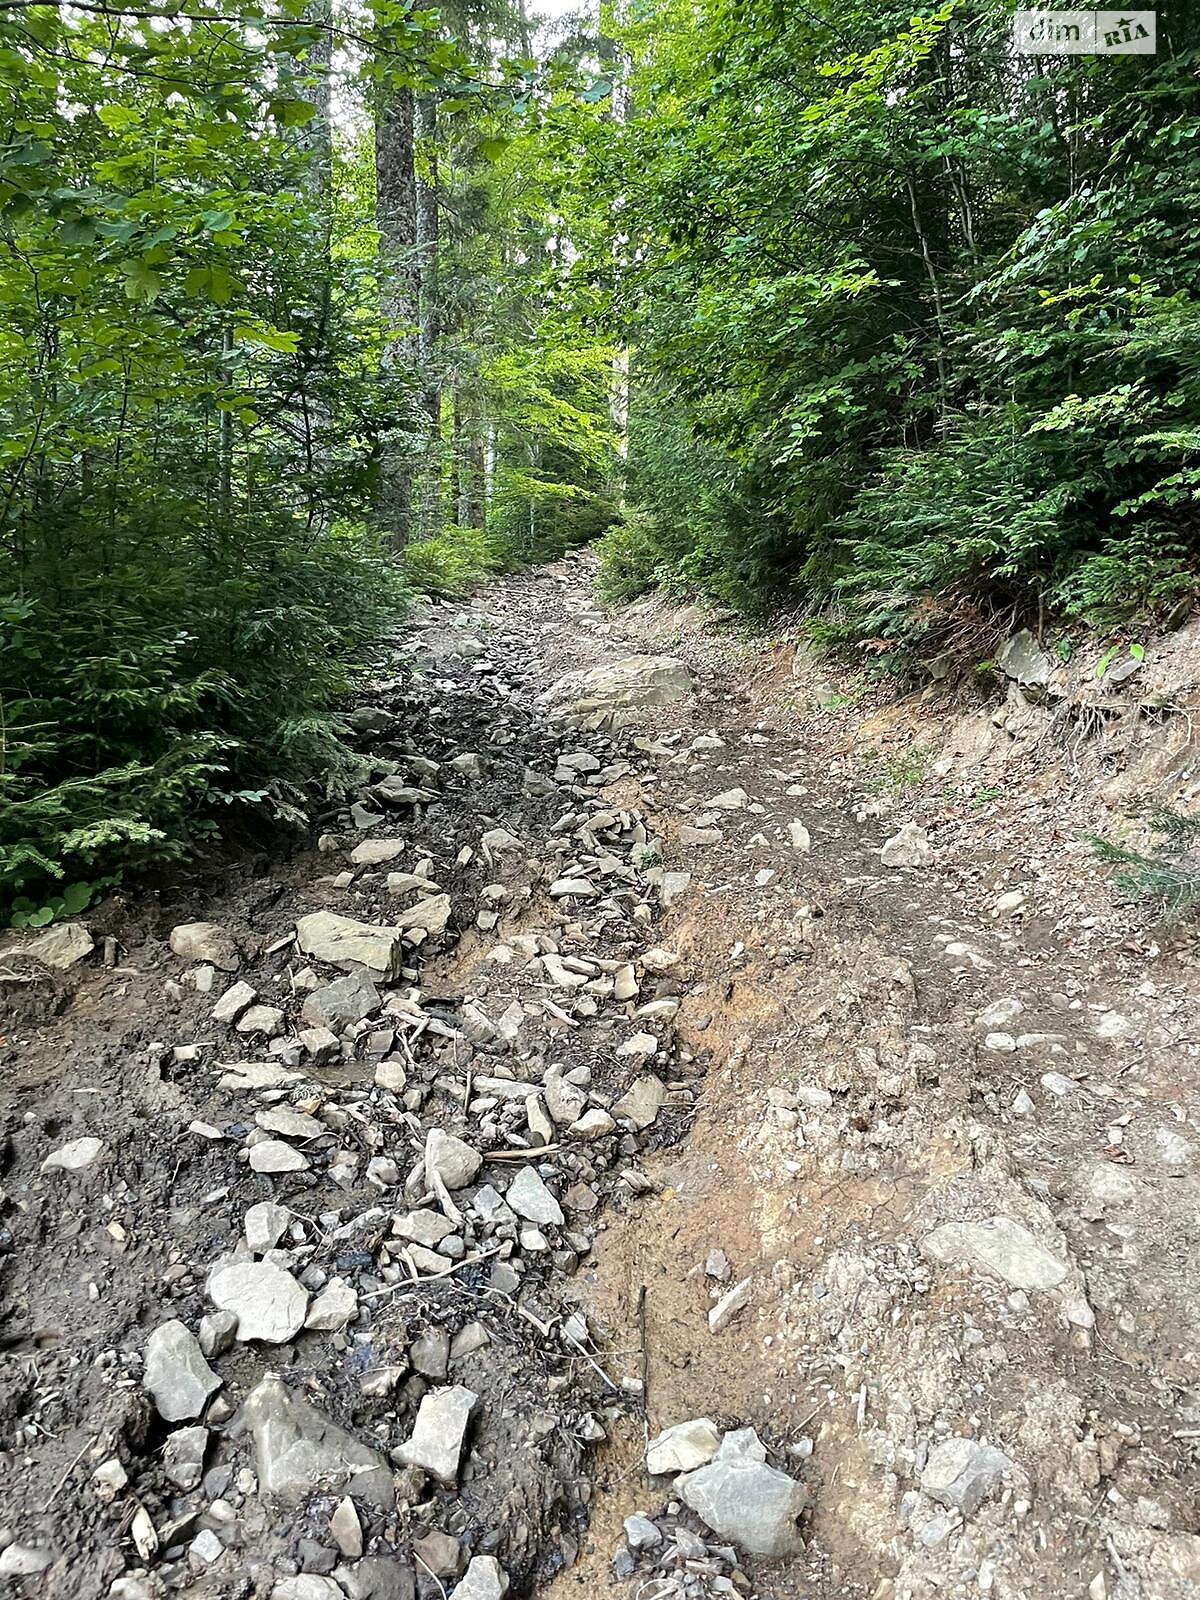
(617, 1057)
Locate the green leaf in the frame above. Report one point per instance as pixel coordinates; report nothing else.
(118, 118)
(292, 113)
(259, 333)
(141, 281)
(213, 282)
(76, 897)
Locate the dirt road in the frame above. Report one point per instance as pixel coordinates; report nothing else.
(366, 1218)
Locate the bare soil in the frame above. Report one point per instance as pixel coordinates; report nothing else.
(839, 1101)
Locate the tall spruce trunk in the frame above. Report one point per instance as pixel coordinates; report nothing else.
(308, 79)
(399, 304)
(430, 494)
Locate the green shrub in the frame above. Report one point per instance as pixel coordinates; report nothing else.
(631, 559)
(1169, 876)
(452, 563)
(139, 703)
(898, 359)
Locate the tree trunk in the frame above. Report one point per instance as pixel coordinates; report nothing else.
(431, 388)
(477, 478)
(399, 295)
(618, 393)
(458, 472)
(489, 468)
(314, 137)
(470, 498)
(308, 79)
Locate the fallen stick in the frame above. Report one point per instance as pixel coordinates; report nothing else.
(641, 1313)
(432, 1277)
(595, 1365)
(87, 1444)
(522, 1155)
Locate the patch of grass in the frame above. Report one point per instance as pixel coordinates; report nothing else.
(985, 795)
(897, 771)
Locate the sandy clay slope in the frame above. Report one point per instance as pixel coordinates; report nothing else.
(660, 1037)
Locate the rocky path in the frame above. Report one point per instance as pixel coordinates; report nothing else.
(613, 1155)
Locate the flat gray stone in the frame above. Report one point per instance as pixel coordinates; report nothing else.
(484, 1579)
(273, 1155)
(560, 976)
(374, 852)
(75, 1156)
(642, 1101)
(1023, 660)
(307, 1586)
(910, 847)
(328, 937)
(206, 941)
(429, 1355)
(454, 1161)
(432, 913)
(611, 695)
(474, 1336)
(999, 1013)
(342, 1003)
(728, 1306)
(334, 1307)
(370, 719)
(469, 764)
(394, 791)
(183, 1457)
(573, 889)
(267, 1020)
(440, 1552)
(239, 997)
(268, 1302)
(378, 1578)
(177, 1375)
(641, 1533)
(264, 1225)
(564, 1101)
(1000, 1247)
(24, 1560)
(346, 1528)
(58, 948)
(299, 1450)
(253, 1075)
(961, 1473)
(426, 1228)
(218, 1329)
(392, 1075)
(592, 1125)
(437, 1437)
(683, 1447)
(529, 1197)
(289, 1123)
(744, 1500)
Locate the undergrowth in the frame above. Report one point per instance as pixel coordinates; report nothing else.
(143, 706)
(1168, 877)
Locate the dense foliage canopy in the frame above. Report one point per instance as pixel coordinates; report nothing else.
(306, 307)
(915, 316)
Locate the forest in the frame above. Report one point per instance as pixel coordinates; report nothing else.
(836, 312)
